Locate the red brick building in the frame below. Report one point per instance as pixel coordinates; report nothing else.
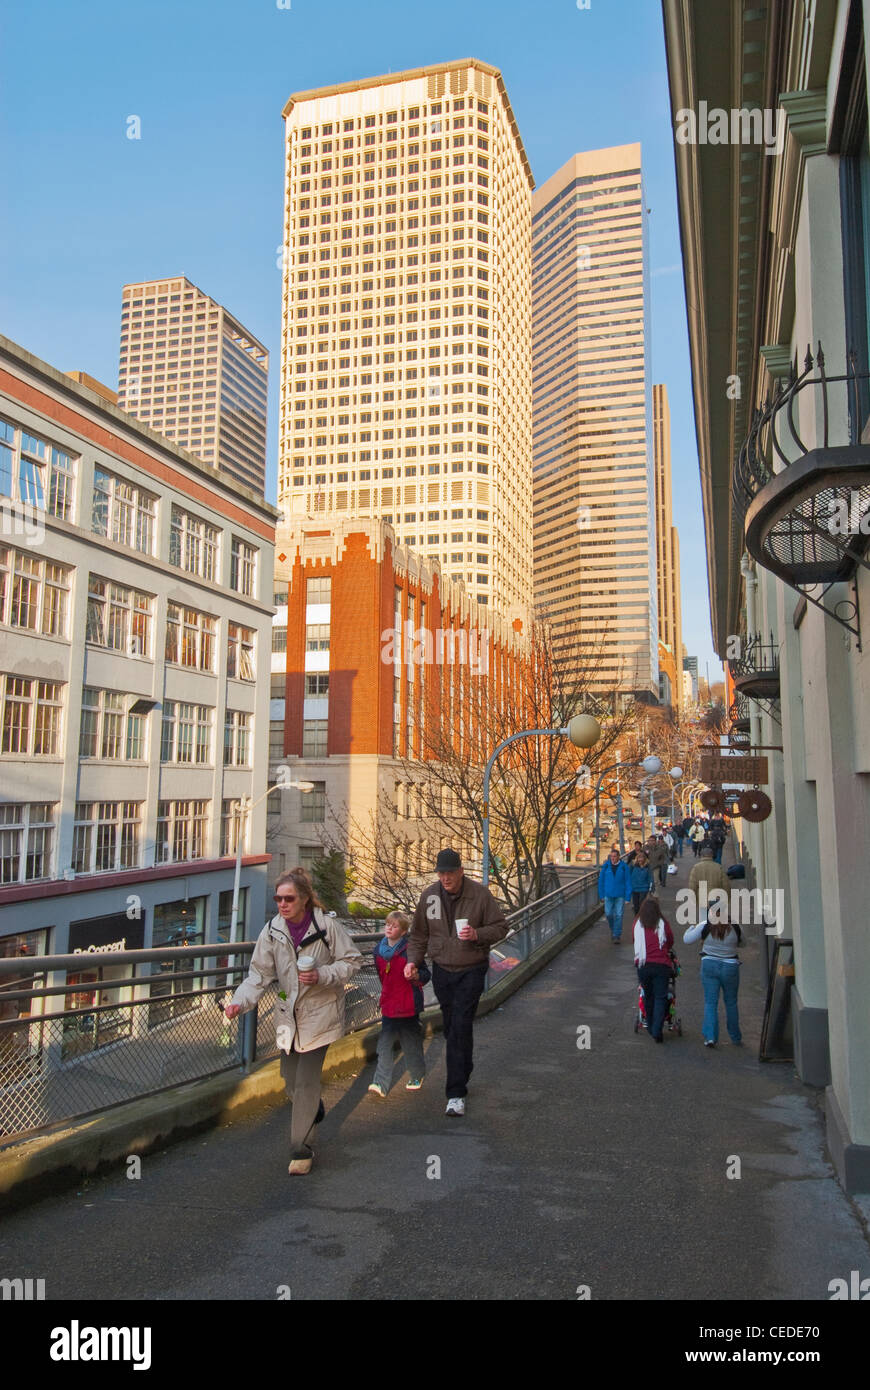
(377, 660)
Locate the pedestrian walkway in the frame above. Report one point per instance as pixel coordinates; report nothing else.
(638, 1172)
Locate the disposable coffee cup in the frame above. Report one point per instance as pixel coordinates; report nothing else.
(306, 963)
(460, 923)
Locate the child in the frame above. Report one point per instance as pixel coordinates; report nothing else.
(641, 880)
(401, 1004)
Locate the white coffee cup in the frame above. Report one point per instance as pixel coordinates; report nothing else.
(306, 963)
(461, 922)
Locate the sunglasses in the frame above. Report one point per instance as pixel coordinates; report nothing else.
(286, 898)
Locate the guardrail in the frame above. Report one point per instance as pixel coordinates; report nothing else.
(167, 1026)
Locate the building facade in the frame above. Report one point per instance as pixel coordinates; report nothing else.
(135, 613)
(190, 371)
(777, 263)
(379, 659)
(667, 560)
(406, 349)
(594, 506)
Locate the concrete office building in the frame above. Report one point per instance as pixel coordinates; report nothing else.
(595, 564)
(667, 560)
(777, 261)
(190, 371)
(135, 613)
(406, 350)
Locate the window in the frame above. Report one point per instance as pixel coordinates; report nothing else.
(35, 472)
(279, 639)
(106, 836)
(234, 819)
(31, 716)
(237, 739)
(190, 638)
(186, 733)
(181, 831)
(123, 513)
(317, 685)
(118, 617)
(34, 594)
(193, 545)
(243, 576)
(313, 803)
(318, 590)
(240, 653)
(314, 733)
(317, 637)
(26, 831)
(108, 730)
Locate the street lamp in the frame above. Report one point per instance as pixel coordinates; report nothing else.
(675, 774)
(582, 730)
(246, 806)
(651, 765)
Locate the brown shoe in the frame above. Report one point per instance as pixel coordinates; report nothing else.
(301, 1163)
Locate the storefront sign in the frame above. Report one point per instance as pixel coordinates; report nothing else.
(102, 935)
(717, 769)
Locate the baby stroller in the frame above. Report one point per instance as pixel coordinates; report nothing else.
(672, 1022)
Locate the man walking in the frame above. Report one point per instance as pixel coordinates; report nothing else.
(455, 923)
(709, 874)
(614, 887)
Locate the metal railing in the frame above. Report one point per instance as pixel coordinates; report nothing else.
(167, 1027)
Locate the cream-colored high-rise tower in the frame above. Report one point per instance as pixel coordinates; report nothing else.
(406, 345)
(667, 559)
(595, 571)
(190, 371)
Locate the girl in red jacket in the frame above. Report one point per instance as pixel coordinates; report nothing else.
(653, 943)
(401, 1006)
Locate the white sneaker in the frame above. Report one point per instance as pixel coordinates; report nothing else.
(455, 1106)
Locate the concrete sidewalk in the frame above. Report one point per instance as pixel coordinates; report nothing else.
(604, 1167)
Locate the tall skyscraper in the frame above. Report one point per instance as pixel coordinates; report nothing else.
(667, 559)
(193, 373)
(593, 468)
(406, 349)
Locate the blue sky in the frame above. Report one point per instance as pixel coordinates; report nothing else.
(200, 194)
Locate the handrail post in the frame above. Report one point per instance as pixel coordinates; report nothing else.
(248, 1039)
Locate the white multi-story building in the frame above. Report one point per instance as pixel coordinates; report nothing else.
(406, 349)
(135, 619)
(191, 371)
(594, 493)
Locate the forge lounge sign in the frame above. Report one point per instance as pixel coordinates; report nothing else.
(102, 935)
(716, 770)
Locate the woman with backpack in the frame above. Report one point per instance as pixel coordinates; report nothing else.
(720, 970)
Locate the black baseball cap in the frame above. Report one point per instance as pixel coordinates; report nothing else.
(447, 859)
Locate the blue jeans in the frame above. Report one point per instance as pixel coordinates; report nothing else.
(408, 1032)
(716, 975)
(680, 845)
(613, 909)
(717, 854)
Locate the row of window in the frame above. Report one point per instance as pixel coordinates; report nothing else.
(108, 835)
(36, 473)
(112, 727)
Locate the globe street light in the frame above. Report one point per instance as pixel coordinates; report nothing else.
(582, 730)
(651, 765)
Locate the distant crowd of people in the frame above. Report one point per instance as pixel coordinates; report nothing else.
(634, 878)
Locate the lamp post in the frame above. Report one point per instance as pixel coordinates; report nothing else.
(246, 806)
(582, 730)
(652, 766)
(675, 774)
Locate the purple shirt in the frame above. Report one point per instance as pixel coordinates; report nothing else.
(298, 930)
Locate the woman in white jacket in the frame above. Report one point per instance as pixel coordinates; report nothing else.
(309, 1013)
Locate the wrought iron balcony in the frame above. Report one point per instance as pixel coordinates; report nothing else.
(806, 511)
(756, 672)
(738, 714)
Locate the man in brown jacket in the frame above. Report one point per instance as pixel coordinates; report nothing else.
(460, 959)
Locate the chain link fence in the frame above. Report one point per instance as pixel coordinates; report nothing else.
(63, 1063)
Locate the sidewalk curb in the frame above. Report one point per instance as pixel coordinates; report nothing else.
(36, 1167)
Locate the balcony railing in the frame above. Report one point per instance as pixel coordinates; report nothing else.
(805, 507)
(756, 672)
